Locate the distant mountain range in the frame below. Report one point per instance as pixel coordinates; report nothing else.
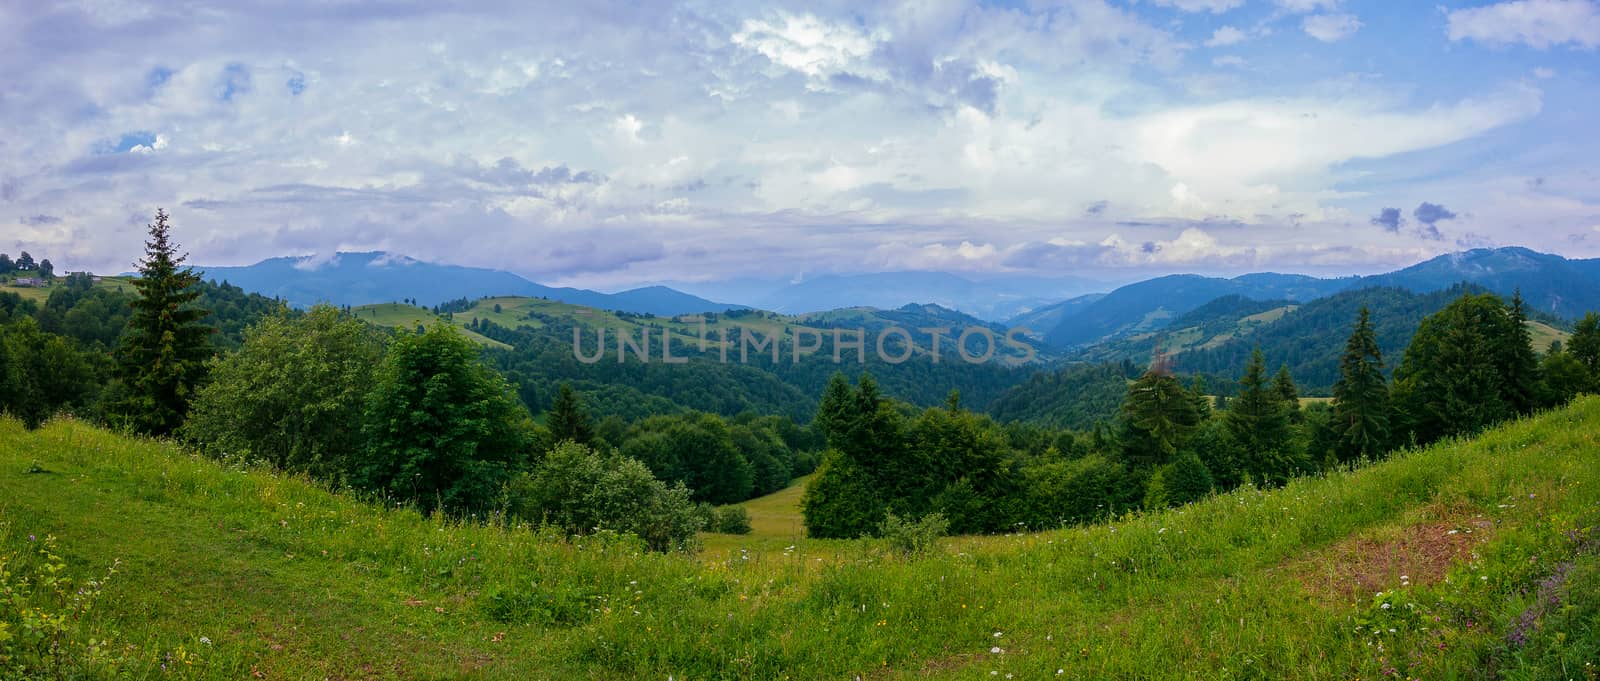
(1065, 312)
(991, 298)
(1549, 284)
(375, 277)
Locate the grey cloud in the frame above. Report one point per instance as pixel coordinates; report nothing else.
(1097, 208)
(1389, 219)
(34, 220)
(1430, 213)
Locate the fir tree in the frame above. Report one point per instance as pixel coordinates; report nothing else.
(161, 356)
(567, 419)
(1157, 418)
(1259, 423)
(1283, 385)
(1519, 366)
(1361, 397)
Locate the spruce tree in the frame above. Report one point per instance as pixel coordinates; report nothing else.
(161, 356)
(1157, 417)
(1361, 397)
(567, 419)
(1519, 366)
(1283, 385)
(1259, 423)
(833, 411)
(1450, 381)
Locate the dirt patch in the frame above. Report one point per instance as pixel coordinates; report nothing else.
(1419, 554)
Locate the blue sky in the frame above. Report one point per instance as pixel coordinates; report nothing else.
(606, 144)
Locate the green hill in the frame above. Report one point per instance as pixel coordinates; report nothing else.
(1464, 560)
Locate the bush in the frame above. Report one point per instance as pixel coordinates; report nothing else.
(582, 492)
(289, 395)
(730, 520)
(913, 538)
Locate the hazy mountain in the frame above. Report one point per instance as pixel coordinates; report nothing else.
(375, 277)
(991, 298)
(1151, 304)
(1042, 320)
(1549, 283)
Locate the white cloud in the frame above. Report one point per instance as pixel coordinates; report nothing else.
(620, 146)
(1304, 6)
(812, 46)
(1540, 24)
(1227, 35)
(1212, 6)
(1331, 28)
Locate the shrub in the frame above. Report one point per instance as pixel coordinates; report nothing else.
(47, 623)
(731, 520)
(582, 492)
(913, 538)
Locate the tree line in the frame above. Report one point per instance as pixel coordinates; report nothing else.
(1467, 367)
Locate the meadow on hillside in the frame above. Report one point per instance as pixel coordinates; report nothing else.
(1468, 559)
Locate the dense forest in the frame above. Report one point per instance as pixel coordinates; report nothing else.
(430, 418)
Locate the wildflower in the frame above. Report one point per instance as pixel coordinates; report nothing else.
(205, 640)
(996, 650)
(998, 634)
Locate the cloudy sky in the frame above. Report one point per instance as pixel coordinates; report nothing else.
(609, 144)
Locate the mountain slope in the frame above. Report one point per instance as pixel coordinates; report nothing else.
(241, 573)
(1310, 339)
(1153, 303)
(368, 278)
(1549, 283)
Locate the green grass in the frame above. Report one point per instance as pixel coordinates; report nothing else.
(403, 316)
(40, 294)
(289, 581)
(1543, 335)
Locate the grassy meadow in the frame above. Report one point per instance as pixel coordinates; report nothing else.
(1464, 560)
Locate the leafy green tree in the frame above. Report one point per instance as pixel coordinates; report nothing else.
(696, 449)
(442, 429)
(161, 356)
(1185, 480)
(1361, 397)
(1089, 489)
(1157, 418)
(6, 265)
(289, 395)
(567, 419)
(580, 491)
(25, 262)
(1564, 378)
(47, 270)
(41, 373)
(841, 501)
(1258, 422)
(1584, 346)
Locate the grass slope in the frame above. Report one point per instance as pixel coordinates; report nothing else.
(403, 316)
(1484, 552)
